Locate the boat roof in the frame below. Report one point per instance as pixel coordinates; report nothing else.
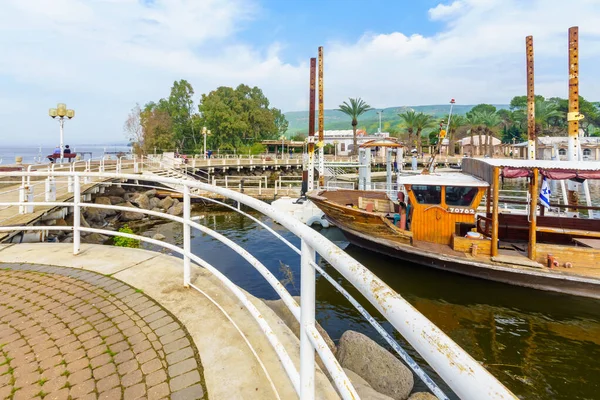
(542, 164)
(443, 179)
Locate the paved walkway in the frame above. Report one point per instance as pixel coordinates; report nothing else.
(73, 334)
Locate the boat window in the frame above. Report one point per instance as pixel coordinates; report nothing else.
(427, 194)
(460, 195)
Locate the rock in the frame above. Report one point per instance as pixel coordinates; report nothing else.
(286, 316)
(157, 210)
(94, 238)
(150, 193)
(130, 215)
(95, 214)
(355, 378)
(82, 220)
(116, 200)
(158, 236)
(114, 191)
(384, 372)
(154, 202)
(422, 396)
(166, 203)
(61, 222)
(106, 201)
(141, 200)
(176, 209)
(368, 393)
(103, 200)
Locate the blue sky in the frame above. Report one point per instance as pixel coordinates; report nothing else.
(101, 57)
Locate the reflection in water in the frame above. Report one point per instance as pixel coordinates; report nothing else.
(541, 345)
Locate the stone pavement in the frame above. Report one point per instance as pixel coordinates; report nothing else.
(73, 334)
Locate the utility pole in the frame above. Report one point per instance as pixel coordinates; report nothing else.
(573, 116)
(530, 100)
(321, 143)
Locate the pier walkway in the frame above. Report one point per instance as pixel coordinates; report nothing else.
(114, 323)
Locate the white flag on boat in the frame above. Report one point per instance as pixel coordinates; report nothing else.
(545, 193)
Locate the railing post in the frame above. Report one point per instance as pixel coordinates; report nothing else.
(307, 320)
(26, 196)
(50, 194)
(187, 247)
(76, 214)
(135, 165)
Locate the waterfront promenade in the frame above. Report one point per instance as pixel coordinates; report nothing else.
(116, 323)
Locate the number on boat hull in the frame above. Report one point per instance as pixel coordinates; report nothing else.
(457, 210)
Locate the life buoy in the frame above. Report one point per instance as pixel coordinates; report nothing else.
(317, 219)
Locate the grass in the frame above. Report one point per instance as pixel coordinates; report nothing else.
(42, 381)
(110, 352)
(66, 373)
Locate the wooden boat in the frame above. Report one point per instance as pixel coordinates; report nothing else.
(560, 254)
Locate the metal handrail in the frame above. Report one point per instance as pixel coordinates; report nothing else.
(462, 373)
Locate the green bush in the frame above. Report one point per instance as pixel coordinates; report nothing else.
(125, 241)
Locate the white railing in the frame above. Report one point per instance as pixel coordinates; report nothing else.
(466, 377)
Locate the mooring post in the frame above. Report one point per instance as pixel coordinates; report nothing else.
(531, 137)
(307, 320)
(187, 246)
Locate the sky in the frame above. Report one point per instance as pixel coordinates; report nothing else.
(101, 57)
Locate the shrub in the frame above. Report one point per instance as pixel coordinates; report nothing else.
(125, 241)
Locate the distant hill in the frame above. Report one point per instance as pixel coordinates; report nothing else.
(334, 120)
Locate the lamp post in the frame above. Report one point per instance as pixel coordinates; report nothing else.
(282, 144)
(380, 113)
(206, 133)
(61, 112)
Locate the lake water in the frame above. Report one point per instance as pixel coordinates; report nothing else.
(32, 154)
(540, 345)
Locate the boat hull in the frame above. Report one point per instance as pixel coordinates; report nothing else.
(514, 275)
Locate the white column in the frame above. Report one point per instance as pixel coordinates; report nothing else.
(187, 246)
(307, 320)
(76, 214)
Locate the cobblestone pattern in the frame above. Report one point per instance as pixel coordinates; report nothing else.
(71, 334)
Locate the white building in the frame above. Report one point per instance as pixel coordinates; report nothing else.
(343, 140)
(547, 145)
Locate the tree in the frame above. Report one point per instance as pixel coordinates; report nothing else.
(280, 121)
(134, 130)
(520, 102)
(410, 120)
(475, 122)
(456, 121)
(157, 126)
(422, 121)
(237, 117)
(180, 108)
(481, 108)
(354, 109)
(490, 120)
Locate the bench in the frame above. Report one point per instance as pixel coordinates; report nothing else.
(68, 156)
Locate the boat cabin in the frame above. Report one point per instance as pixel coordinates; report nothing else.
(441, 201)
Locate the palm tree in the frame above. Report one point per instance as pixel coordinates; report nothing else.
(355, 109)
(410, 119)
(474, 120)
(455, 122)
(490, 120)
(544, 111)
(422, 121)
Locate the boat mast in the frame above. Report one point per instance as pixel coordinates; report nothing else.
(530, 100)
(321, 142)
(573, 116)
(441, 136)
(311, 126)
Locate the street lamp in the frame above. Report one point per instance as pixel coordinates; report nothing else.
(282, 137)
(205, 133)
(380, 113)
(61, 112)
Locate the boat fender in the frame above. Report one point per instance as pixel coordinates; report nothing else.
(315, 219)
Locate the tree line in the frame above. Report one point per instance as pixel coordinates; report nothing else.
(483, 121)
(238, 119)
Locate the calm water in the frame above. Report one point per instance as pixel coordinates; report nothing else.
(32, 154)
(540, 345)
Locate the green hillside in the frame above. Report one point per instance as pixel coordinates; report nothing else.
(334, 120)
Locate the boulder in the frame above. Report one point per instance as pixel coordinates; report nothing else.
(355, 378)
(150, 193)
(95, 214)
(286, 316)
(116, 200)
(141, 200)
(82, 220)
(154, 202)
(114, 191)
(103, 200)
(176, 209)
(368, 393)
(166, 203)
(94, 238)
(61, 222)
(380, 368)
(422, 396)
(157, 210)
(130, 215)
(158, 236)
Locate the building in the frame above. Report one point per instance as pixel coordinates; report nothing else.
(343, 140)
(475, 149)
(546, 146)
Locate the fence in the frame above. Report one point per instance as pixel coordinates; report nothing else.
(466, 377)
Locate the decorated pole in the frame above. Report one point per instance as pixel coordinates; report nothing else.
(573, 116)
(321, 143)
(311, 126)
(530, 100)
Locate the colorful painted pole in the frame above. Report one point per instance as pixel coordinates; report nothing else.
(321, 143)
(530, 100)
(311, 126)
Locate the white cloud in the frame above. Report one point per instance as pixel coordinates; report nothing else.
(102, 56)
(443, 11)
